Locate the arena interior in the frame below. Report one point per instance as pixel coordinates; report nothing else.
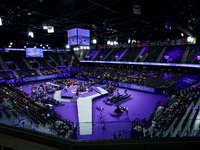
(99, 74)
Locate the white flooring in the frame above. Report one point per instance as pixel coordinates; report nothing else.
(84, 106)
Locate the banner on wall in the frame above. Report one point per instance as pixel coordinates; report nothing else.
(119, 84)
(37, 78)
(137, 87)
(151, 43)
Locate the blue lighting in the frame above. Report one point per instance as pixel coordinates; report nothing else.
(144, 63)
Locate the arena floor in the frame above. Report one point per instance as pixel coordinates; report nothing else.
(140, 105)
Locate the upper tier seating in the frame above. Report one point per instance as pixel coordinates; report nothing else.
(102, 54)
(131, 54)
(176, 52)
(194, 53)
(91, 54)
(111, 56)
(153, 53)
(43, 63)
(56, 58)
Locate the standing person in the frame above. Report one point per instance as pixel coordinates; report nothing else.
(125, 91)
(153, 125)
(120, 136)
(118, 92)
(74, 131)
(126, 110)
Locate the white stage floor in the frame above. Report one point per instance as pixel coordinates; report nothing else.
(84, 106)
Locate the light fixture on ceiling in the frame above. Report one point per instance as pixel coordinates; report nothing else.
(182, 34)
(31, 34)
(115, 43)
(190, 39)
(50, 29)
(94, 41)
(45, 27)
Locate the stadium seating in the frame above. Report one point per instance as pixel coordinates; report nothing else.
(102, 54)
(152, 54)
(131, 54)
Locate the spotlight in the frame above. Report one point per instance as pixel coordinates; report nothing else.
(0, 21)
(35, 47)
(94, 41)
(31, 34)
(129, 40)
(9, 46)
(40, 45)
(24, 46)
(67, 46)
(81, 47)
(11, 43)
(49, 47)
(115, 42)
(190, 39)
(43, 47)
(50, 29)
(45, 27)
(84, 47)
(76, 48)
(88, 47)
(108, 42)
(182, 34)
(111, 43)
(133, 41)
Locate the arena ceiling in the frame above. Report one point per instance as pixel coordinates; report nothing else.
(107, 19)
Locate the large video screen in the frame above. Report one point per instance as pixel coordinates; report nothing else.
(78, 36)
(72, 36)
(34, 52)
(83, 37)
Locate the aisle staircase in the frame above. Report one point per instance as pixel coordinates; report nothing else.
(161, 54)
(4, 66)
(28, 64)
(108, 54)
(185, 55)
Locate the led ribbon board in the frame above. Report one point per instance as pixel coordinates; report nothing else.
(34, 52)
